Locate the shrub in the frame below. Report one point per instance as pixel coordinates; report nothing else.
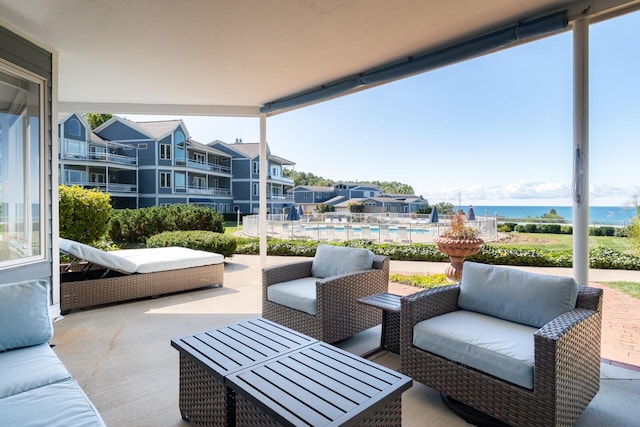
(607, 258)
(621, 232)
(199, 239)
(137, 225)
(84, 214)
(507, 227)
(601, 231)
(531, 228)
(566, 229)
(549, 228)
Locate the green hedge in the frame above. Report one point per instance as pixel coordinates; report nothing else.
(84, 214)
(604, 258)
(137, 225)
(201, 240)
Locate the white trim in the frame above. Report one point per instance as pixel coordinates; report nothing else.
(162, 109)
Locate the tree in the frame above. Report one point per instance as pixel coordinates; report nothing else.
(633, 229)
(355, 207)
(444, 208)
(552, 214)
(95, 119)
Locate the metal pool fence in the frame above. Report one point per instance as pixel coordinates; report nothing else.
(374, 227)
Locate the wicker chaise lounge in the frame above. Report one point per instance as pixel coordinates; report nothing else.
(319, 297)
(116, 276)
(528, 358)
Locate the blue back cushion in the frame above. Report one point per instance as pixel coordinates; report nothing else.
(24, 314)
(334, 260)
(519, 296)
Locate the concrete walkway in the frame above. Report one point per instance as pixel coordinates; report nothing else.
(620, 317)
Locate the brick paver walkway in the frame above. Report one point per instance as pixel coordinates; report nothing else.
(620, 324)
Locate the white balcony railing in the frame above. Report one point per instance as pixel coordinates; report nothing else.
(210, 167)
(209, 191)
(106, 187)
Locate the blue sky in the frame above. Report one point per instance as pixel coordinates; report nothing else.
(495, 130)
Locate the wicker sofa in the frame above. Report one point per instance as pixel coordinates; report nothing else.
(546, 329)
(107, 277)
(319, 297)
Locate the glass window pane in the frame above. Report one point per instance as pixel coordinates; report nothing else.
(21, 190)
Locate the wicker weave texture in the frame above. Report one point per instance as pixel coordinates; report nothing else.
(87, 293)
(566, 371)
(249, 415)
(204, 401)
(338, 315)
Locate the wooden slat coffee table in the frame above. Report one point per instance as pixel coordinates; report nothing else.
(318, 385)
(207, 358)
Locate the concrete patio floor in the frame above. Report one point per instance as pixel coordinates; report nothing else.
(121, 354)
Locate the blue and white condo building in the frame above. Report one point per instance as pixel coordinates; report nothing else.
(144, 164)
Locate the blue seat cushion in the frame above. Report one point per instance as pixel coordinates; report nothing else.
(497, 347)
(511, 294)
(28, 368)
(334, 260)
(24, 314)
(299, 294)
(62, 404)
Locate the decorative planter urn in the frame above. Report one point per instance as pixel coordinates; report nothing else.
(457, 249)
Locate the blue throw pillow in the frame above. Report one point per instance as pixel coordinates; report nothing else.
(334, 260)
(519, 296)
(24, 314)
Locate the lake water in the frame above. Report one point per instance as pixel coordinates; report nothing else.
(605, 215)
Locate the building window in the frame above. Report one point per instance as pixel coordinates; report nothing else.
(256, 167)
(22, 169)
(179, 142)
(165, 151)
(97, 177)
(165, 179)
(74, 127)
(256, 189)
(180, 182)
(76, 177)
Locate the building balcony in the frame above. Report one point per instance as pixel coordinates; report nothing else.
(209, 191)
(209, 167)
(112, 187)
(101, 157)
(280, 179)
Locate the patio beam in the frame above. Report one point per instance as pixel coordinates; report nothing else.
(160, 109)
(580, 189)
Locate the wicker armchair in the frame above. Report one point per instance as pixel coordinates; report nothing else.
(338, 313)
(566, 366)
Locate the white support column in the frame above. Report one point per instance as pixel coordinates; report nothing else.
(263, 191)
(581, 151)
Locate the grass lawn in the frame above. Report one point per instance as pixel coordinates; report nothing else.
(631, 288)
(565, 241)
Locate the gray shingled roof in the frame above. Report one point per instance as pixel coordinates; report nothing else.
(158, 129)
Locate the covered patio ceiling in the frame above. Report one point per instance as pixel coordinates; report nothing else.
(232, 57)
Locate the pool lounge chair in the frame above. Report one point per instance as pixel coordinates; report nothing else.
(106, 277)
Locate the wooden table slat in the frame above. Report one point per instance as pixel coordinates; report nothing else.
(274, 333)
(213, 358)
(320, 389)
(260, 392)
(358, 395)
(308, 393)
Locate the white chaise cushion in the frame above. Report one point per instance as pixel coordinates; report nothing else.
(299, 294)
(497, 347)
(145, 260)
(334, 260)
(24, 314)
(96, 256)
(28, 368)
(151, 260)
(529, 298)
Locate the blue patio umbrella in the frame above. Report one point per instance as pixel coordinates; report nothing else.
(293, 214)
(433, 217)
(471, 215)
(300, 210)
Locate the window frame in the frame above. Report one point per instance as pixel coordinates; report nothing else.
(12, 70)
